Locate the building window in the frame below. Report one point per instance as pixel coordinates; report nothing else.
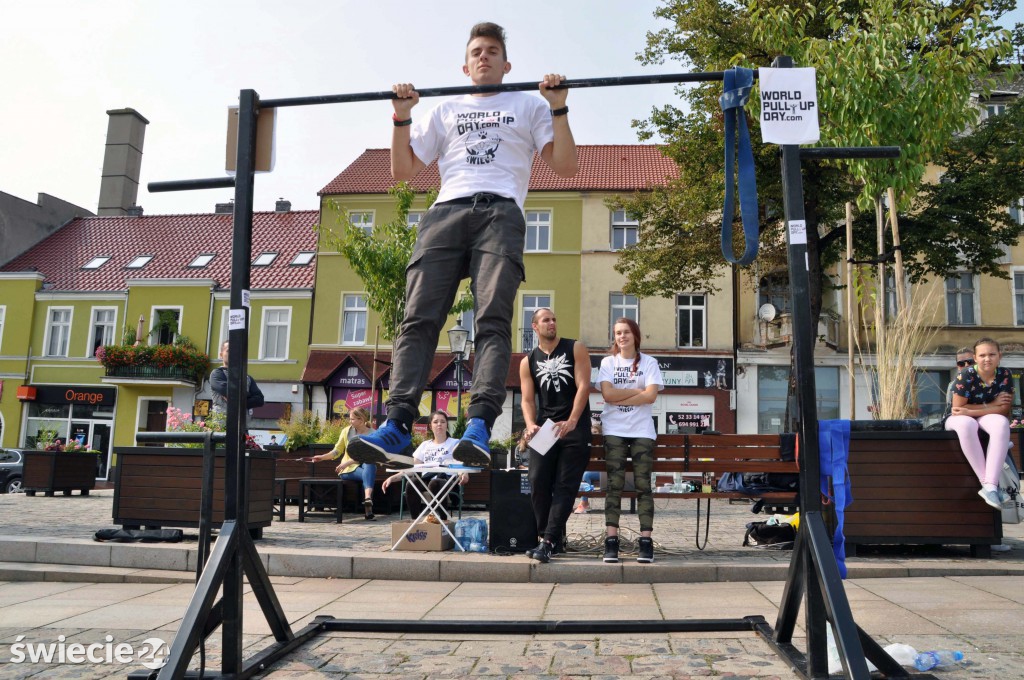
(625, 229)
(102, 328)
(140, 262)
(3, 314)
(58, 331)
(892, 306)
(201, 261)
(274, 339)
(362, 220)
(412, 218)
(622, 306)
(225, 330)
(773, 289)
(690, 315)
(531, 303)
(1018, 297)
(354, 320)
(96, 262)
(166, 322)
(264, 259)
(1017, 211)
(992, 110)
(960, 300)
(931, 395)
(302, 259)
(538, 231)
(773, 393)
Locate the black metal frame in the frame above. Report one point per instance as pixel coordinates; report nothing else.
(813, 574)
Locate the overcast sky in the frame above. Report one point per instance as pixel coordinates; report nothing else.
(181, 64)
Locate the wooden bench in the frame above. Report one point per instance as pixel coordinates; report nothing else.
(703, 459)
(916, 488)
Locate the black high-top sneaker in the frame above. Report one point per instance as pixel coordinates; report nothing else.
(542, 553)
(611, 549)
(645, 549)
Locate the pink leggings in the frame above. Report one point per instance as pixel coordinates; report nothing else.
(986, 466)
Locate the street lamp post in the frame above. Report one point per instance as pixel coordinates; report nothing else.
(458, 337)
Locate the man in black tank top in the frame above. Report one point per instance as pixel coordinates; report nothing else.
(555, 379)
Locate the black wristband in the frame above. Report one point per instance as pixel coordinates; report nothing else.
(400, 123)
(559, 112)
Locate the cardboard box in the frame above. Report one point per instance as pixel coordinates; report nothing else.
(424, 536)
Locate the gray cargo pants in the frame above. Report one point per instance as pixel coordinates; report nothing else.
(481, 237)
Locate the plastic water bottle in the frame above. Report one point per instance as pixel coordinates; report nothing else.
(928, 660)
(478, 535)
(586, 487)
(462, 533)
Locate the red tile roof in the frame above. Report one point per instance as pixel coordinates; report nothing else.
(624, 167)
(173, 241)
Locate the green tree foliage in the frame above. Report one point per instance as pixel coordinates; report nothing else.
(380, 259)
(889, 72)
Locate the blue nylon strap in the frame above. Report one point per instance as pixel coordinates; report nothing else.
(737, 83)
(834, 453)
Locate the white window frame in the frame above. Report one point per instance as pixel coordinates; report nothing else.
(225, 331)
(974, 302)
(528, 311)
(367, 227)
(265, 259)
(622, 220)
(307, 257)
(537, 225)
(96, 262)
(413, 218)
(1017, 211)
(346, 309)
(624, 307)
(3, 316)
(89, 350)
(63, 328)
(139, 261)
(1018, 319)
(266, 323)
(201, 261)
(704, 320)
(152, 321)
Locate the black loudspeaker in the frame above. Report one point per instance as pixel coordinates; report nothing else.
(512, 526)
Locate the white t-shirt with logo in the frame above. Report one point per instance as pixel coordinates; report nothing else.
(484, 144)
(431, 453)
(629, 421)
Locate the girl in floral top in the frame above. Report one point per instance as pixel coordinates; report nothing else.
(982, 396)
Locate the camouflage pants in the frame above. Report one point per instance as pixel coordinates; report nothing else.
(641, 450)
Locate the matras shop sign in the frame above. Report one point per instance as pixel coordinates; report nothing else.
(789, 106)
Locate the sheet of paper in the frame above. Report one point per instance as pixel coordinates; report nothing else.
(545, 438)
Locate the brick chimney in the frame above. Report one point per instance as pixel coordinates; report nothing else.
(282, 205)
(122, 161)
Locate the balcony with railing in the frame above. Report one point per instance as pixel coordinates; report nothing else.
(180, 365)
(149, 372)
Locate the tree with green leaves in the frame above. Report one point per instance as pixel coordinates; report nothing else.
(889, 72)
(379, 259)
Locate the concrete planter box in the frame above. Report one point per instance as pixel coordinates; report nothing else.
(162, 487)
(51, 471)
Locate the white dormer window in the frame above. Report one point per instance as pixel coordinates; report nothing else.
(201, 261)
(264, 259)
(96, 262)
(302, 259)
(140, 262)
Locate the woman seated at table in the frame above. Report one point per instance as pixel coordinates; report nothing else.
(982, 397)
(348, 469)
(432, 452)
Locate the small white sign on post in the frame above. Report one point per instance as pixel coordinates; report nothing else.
(789, 106)
(236, 319)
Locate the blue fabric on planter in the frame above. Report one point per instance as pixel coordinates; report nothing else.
(834, 454)
(736, 85)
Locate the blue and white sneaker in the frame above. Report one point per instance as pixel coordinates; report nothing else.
(472, 449)
(387, 446)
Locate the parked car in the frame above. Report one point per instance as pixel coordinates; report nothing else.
(10, 470)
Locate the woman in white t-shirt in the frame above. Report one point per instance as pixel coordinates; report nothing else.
(433, 453)
(630, 382)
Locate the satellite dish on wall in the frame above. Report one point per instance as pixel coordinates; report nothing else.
(766, 312)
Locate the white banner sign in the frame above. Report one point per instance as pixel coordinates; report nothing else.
(789, 106)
